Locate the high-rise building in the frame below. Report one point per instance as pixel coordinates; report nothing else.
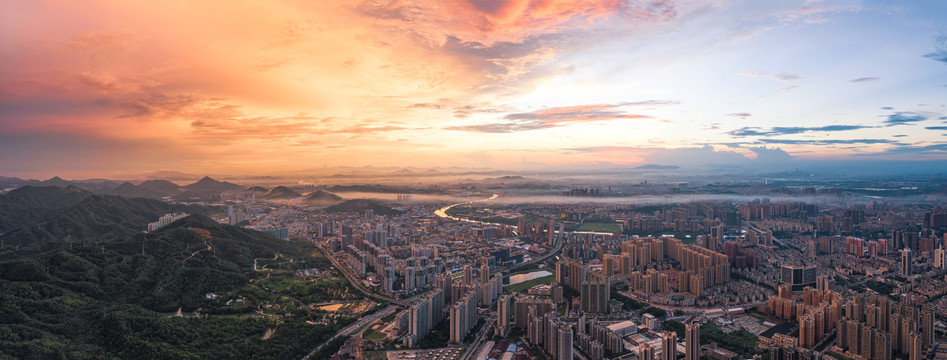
(595, 296)
(560, 271)
(916, 346)
(882, 344)
(669, 345)
(504, 314)
(468, 275)
(798, 277)
(927, 327)
(170, 218)
(866, 338)
(556, 292)
(565, 343)
(610, 264)
(436, 307)
(463, 316)
(807, 332)
(785, 291)
(645, 352)
(523, 304)
(419, 322)
(692, 341)
(907, 262)
(444, 281)
(940, 258)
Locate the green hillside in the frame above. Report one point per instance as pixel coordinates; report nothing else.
(94, 218)
(114, 300)
(112, 291)
(28, 204)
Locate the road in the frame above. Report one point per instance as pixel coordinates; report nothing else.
(348, 330)
(555, 250)
(474, 347)
(358, 284)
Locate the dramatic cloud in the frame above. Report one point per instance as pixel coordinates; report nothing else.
(490, 21)
(224, 86)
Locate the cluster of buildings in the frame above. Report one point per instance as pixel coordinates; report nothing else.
(873, 327)
(454, 265)
(164, 220)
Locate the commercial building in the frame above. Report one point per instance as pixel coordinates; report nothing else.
(798, 277)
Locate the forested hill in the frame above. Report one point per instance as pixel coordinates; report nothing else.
(35, 217)
(29, 204)
(79, 279)
(112, 299)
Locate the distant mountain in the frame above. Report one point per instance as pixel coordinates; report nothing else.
(160, 186)
(257, 189)
(383, 189)
(362, 205)
(282, 193)
(128, 189)
(657, 167)
(208, 185)
(403, 172)
(13, 182)
(28, 204)
(322, 197)
(56, 181)
(168, 175)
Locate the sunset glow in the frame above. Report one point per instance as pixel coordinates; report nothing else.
(119, 87)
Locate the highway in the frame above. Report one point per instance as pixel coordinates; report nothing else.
(355, 326)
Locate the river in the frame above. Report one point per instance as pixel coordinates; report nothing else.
(442, 212)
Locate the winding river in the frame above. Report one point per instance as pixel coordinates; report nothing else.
(442, 212)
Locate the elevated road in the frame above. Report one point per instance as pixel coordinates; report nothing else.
(348, 330)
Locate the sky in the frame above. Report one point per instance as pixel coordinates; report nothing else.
(98, 88)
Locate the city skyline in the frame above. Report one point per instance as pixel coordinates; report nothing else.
(103, 88)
